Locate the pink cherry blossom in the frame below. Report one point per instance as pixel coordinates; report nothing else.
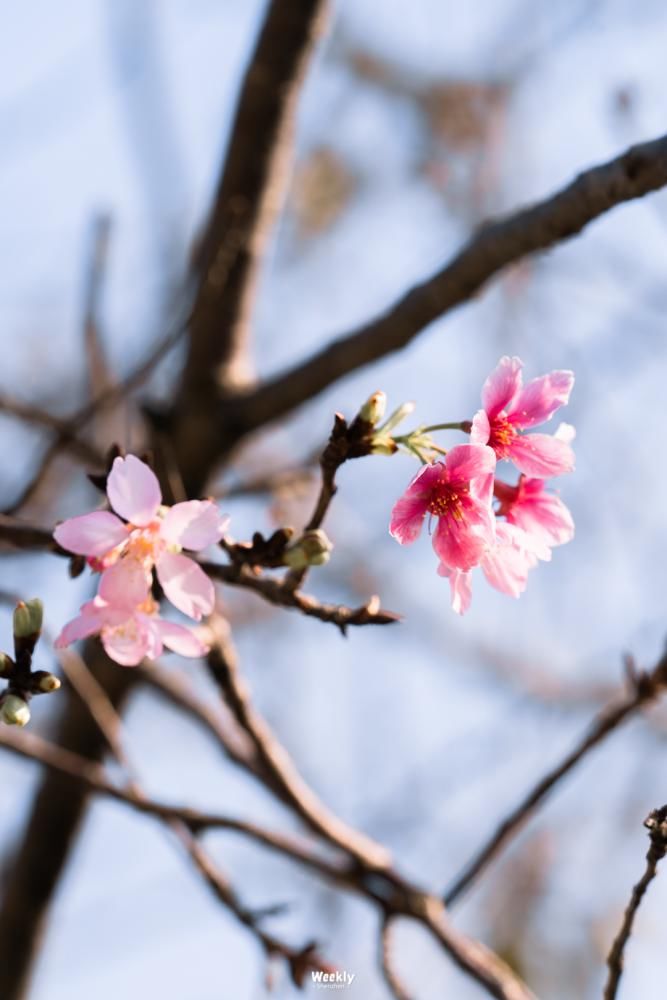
(458, 493)
(510, 408)
(143, 529)
(505, 564)
(542, 515)
(126, 618)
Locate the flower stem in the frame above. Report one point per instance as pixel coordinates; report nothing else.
(463, 425)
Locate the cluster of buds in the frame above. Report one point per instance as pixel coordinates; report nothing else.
(23, 681)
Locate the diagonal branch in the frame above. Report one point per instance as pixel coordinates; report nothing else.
(656, 823)
(637, 172)
(388, 889)
(647, 687)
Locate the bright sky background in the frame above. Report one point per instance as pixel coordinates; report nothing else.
(425, 734)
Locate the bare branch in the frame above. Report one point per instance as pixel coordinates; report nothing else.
(656, 824)
(389, 974)
(250, 192)
(647, 687)
(275, 592)
(387, 889)
(635, 173)
(224, 670)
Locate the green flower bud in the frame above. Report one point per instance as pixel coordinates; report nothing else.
(28, 617)
(397, 416)
(383, 446)
(373, 409)
(14, 711)
(312, 549)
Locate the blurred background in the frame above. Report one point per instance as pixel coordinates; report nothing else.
(416, 123)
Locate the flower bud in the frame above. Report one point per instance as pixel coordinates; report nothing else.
(397, 416)
(373, 409)
(49, 683)
(383, 446)
(312, 549)
(28, 617)
(14, 711)
(6, 665)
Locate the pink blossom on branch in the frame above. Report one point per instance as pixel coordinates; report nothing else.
(542, 515)
(505, 564)
(510, 408)
(457, 492)
(126, 618)
(143, 530)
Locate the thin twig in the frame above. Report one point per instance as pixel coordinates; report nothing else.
(656, 823)
(389, 974)
(647, 687)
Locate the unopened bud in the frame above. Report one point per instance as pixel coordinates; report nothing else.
(373, 409)
(49, 683)
(383, 446)
(28, 617)
(312, 549)
(6, 665)
(397, 416)
(14, 711)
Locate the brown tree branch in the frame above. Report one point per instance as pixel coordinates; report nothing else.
(389, 890)
(250, 192)
(389, 974)
(223, 668)
(656, 824)
(646, 688)
(275, 592)
(637, 172)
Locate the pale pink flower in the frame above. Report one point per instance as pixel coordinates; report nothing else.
(510, 408)
(150, 533)
(126, 618)
(458, 493)
(505, 564)
(542, 515)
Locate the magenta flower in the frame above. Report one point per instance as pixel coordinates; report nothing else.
(458, 493)
(510, 408)
(145, 531)
(126, 618)
(542, 515)
(505, 564)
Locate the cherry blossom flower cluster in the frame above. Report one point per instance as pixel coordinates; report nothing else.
(503, 528)
(125, 545)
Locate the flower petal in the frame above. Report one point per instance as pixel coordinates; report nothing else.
(481, 428)
(91, 534)
(459, 541)
(186, 585)
(408, 513)
(541, 455)
(460, 585)
(542, 515)
(539, 400)
(128, 643)
(467, 461)
(502, 386)
(126, 584)
(180, 639)
(506, 564)
(193, 525)
(133, 490)
(87, 623)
